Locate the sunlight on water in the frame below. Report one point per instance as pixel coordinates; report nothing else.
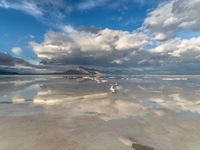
(114, 113)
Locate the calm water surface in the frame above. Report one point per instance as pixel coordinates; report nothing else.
(111, 113)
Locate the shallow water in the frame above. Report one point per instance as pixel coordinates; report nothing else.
(76, 113)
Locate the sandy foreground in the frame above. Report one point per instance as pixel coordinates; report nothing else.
(122, 113)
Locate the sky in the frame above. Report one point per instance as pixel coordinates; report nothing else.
(147, 36)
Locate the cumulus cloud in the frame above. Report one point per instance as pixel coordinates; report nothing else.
(16, 50)
(160, 37)
(178, 47)
(173, 16)
(102, 47)
(118, 48)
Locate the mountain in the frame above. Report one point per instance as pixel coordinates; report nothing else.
(7, 72)
(84, 71)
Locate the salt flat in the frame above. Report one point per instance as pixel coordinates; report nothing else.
(79, 113)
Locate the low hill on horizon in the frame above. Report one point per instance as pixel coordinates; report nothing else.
(84, 71)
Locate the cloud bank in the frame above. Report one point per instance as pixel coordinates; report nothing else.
(105, 47)
(8, 60)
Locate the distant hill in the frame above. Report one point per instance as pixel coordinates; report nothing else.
(8, 71)
(84, 71)
(5, 72)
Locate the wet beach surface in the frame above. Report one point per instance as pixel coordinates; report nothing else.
(108, 113)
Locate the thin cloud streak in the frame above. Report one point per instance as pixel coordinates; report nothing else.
(24, 6)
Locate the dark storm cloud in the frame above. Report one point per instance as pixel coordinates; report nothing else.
(8, 60)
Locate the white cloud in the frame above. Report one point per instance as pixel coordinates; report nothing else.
(68, 28)
(16, 50)
(110, 4)
(175, 15)
(25, 6)
(161, 37)
(106, 44)
(180, 47)
(115, 48)
(48, 12)
(117, 61)
(89, 4)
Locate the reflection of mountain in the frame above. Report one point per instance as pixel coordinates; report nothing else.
(84, 71)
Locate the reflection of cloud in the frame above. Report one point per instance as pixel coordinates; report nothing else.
(126, 141)
(76, 111)
(178, 103)
(107, 109)
(130, 101)
(18, 93)
(107, 106)
(173, 78)
(18, 100)
(51, 98)
(98, 104)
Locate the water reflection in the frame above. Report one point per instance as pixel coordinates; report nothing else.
(84, 113)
